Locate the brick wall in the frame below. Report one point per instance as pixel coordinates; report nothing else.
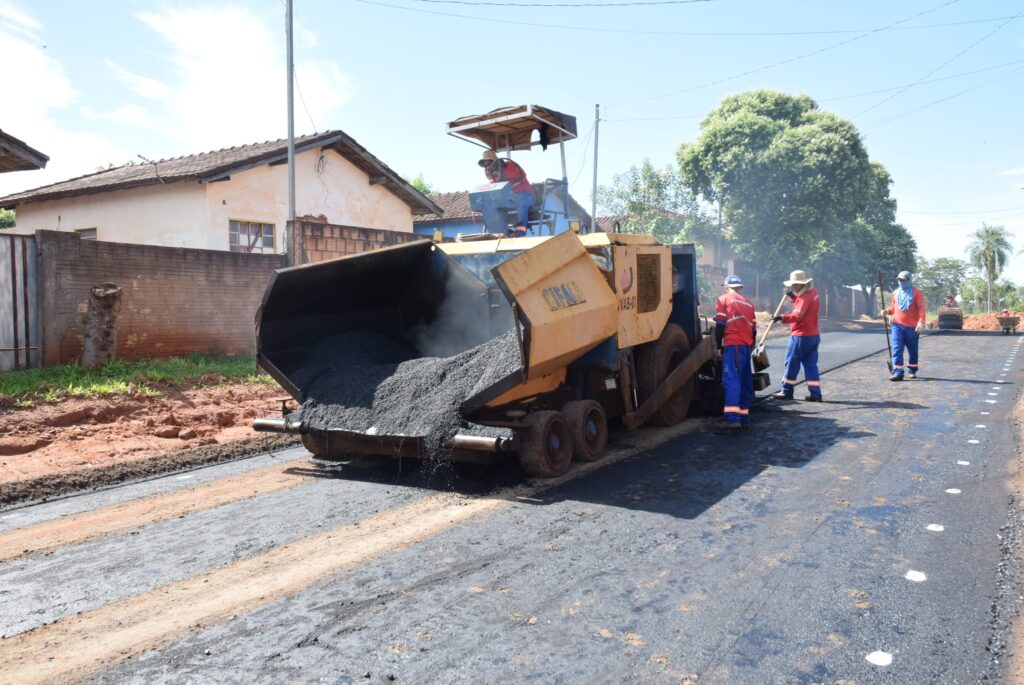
(175, 300)
(318, 242)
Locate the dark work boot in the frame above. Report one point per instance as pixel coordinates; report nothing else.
(814, 398)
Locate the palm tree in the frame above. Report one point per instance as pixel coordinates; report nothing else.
(990, 251)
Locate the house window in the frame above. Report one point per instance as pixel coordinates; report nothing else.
(86, 233)
(250, 236)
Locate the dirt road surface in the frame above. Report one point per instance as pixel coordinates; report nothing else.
(869, 539)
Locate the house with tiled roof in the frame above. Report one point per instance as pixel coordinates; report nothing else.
(15, 155)
(230, 199)
(459, 218)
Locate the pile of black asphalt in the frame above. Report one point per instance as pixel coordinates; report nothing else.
(370, 383)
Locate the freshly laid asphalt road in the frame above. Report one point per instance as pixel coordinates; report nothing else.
(862, 540)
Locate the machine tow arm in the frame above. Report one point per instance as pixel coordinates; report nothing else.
(680, 376)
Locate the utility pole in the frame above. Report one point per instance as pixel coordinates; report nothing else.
(593, 197)
(289, 228)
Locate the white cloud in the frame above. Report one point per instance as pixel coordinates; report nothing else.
(38, 89)
(143, 85)
(1018, 171)
(16, 20)
(228, 86)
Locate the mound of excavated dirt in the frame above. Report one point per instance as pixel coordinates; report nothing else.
(986, 322)
(86, 442)
(365, 382)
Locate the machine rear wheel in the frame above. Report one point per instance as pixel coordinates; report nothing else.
(545, 445)
(654, 362)
(588, 424)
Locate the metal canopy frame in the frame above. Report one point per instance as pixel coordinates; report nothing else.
(511, 128)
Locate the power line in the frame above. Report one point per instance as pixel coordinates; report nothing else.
(941, 100)
(676, 117)
(639, 32)
(790, 60)
(562, 4)
(938, 68)
(979, 211)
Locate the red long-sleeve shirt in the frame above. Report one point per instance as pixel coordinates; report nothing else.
(507, 170)
(803, 319)
(915, 313)
(736, 314)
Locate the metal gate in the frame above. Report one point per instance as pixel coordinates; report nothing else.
(19, 311)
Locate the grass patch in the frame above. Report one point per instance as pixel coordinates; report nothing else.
(144, 377)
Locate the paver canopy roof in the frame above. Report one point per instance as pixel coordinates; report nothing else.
(512, 128)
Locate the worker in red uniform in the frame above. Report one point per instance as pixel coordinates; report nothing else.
(908, 319)
(735, 330)
(804, 338)
(500, 170)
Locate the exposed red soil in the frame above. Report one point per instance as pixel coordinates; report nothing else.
(986, 322)
(77, 436)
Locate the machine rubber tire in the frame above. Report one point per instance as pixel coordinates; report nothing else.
(545, 445)
(654, 362)
(588, 425)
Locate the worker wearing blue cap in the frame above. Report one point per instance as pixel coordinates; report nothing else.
(735, 331)
(908, 320)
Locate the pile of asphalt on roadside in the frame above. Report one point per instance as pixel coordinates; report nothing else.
(371, 383)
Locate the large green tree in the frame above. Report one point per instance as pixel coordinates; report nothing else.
(989, 252)
(791, 180)
(6, 218)
(939, 277)
(646, 199)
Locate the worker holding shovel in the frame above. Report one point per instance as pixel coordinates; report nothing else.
(735, 332)
(908, 319)
(804, 338)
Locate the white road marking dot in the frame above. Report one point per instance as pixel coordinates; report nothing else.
(879, 658)
(952, 491)
(993, 394)
(980, 425)
(996, 387)
(986, 413)
(936, 528)
(962, 463)
(974, 442)
(915, 576)
(991, 401)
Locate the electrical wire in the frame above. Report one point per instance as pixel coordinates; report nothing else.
(789, 60)
(941, 100)
(639, 32)
(586, 149)
(941, 66)
(563, 4)
(838, 98)
(979, 211)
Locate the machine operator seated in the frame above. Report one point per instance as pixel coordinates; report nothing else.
(505, 170)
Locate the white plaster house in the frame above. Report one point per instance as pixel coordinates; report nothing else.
(232, 199)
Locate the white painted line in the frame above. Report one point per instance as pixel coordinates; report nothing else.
(974, 442)
(980, 425)
(991, 401)
(879, 658)
(915, 576)
(996, 387)
(936, 528)
(962, 463)
(986, 413)
(952, 491)
(993, 394)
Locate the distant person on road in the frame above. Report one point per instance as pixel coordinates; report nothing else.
(951, 302)
(501, 170)
(908, 319)
(805, 336)
(735, 331)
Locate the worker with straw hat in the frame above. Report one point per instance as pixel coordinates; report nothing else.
(804, 338)
(499, 170)
(735, 331)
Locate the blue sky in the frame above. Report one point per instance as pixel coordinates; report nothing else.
(98, 83)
